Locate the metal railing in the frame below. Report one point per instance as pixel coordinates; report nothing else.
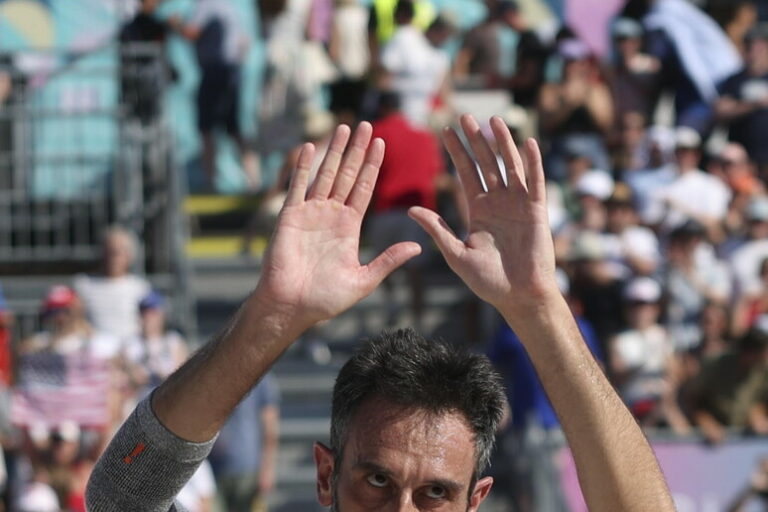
(84, 146)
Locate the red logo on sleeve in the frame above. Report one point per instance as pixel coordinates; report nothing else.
(135, 453)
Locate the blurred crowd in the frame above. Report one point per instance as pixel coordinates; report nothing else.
(103, 346)
(656, 151)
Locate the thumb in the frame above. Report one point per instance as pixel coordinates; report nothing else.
(444, 237)
(386, 262)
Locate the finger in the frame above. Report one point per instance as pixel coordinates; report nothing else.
(534, 170)
(327, 173)
(465, 165)
(352, 162)
(512, 161)
(483, 153)
(297, 190)
(432, 223)
(361, 193)
(388, 261)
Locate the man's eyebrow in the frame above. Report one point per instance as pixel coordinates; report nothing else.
(367, 465)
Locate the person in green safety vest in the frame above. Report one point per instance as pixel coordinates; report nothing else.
(382, 25)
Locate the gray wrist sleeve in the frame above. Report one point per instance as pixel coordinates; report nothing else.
(144, 467)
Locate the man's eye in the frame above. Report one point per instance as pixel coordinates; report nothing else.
(436, 492)
(378, 480)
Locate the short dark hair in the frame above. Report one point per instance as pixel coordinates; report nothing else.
(403, 368)
(405, 11)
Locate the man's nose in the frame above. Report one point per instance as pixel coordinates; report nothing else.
(404, 503)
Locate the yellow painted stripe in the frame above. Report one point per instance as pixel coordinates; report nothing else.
(210, 205)
(223, 247)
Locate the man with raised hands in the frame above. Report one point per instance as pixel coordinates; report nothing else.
(412, 421)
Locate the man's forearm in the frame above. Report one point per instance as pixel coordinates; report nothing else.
(616, 466)
(195, 401)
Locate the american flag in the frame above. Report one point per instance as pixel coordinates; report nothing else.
(52, 389)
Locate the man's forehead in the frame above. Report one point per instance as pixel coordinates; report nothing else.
(381, 430)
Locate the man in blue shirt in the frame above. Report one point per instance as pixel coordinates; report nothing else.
(534, 437)
(244, 456)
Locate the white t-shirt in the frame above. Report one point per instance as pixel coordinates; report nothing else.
(696, 192)
(37, 497)
(201, 486)
(745, 263)
(158, 355)
(99, 345)
(350, 22)
(418, 70)
(112, 304)
(645, 353)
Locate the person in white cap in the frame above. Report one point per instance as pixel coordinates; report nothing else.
(642, 358)
(694, 194)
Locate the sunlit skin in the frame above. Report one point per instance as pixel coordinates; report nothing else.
(399, 460)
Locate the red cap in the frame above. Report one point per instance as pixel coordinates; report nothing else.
(59, 297)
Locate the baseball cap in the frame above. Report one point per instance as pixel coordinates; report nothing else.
(59, 297)
(573, 49)
(627, 28)
(154, 300)
(642, 289)
(588, 246)
(687, 137)
(595, 183)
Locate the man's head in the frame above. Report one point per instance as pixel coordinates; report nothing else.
(412, 427)
(404, 12)
(119, 251)
(757, 49)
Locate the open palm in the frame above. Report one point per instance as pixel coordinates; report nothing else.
(312, 265)
(507, 258)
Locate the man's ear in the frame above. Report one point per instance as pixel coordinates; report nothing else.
(482, 488)
(324, 467)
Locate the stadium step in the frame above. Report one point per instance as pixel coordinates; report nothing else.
(217, 225)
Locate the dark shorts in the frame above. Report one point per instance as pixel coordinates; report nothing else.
(218, 98)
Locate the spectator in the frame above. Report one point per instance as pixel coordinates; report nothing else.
(656, 172)
(156, 352)
(578, 107)
(744, 99)
(731, 390)
(413, 68)
(220, 46)
(693, 194)
(244, 458)
(143, 67)
(596, 285)
(634, 75)
(642, 359)
(631, 152)
(634, 246)
(534, 438)
(591, 190)
(480, 57)
(749, 253)
(695, 57)
(408, 177)
(111, 299)
(350, 52)
(200, 492)
(692, 278)
(738, 173)
(741, 20)
(751, 306)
